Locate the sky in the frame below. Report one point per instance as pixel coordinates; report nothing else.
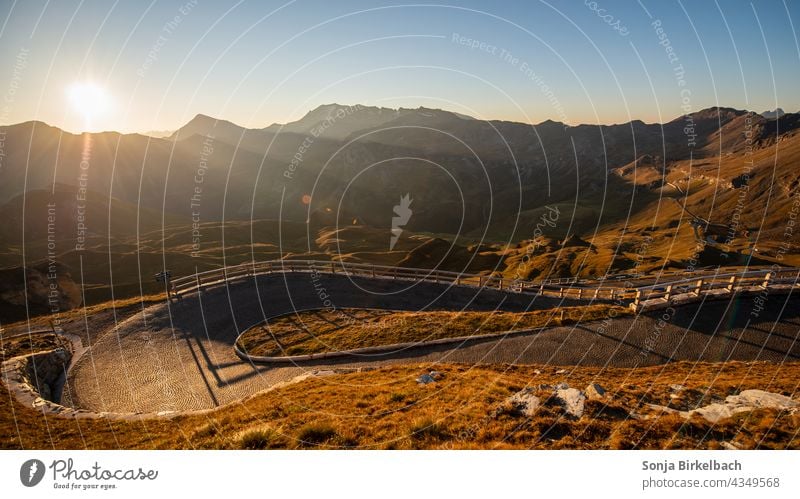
(157, 64)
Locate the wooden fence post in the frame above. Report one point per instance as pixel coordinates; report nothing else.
(731, 284)
(668, 293)
(767, 278)
(698, 287)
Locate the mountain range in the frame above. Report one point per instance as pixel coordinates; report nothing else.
(213, 191)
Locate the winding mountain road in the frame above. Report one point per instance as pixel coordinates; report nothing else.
(179, 355)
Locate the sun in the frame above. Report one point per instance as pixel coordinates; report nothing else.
(89, 99)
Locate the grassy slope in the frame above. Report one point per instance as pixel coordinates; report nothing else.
(318, 331)
(386, 408)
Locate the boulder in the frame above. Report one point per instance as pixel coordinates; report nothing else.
(572, 400)
(524, 402)
(430, 377)
(594, 391)
(760, 398)
(746, 401)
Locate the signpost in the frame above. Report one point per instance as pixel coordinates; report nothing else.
(165, 277)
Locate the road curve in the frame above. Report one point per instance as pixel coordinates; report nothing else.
(179, 356)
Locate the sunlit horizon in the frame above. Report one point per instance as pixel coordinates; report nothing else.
(260, 64)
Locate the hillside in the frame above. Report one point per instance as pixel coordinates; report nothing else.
(486, 196)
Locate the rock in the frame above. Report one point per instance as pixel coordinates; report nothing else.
(595, 391)
(561, 386)
(746, 401)
(561, 371)
(711, 413)
(536, 371)
(524, 402)
(676, 388)
(729, 445)
(572, 400)
(760, 398)
(430, 377)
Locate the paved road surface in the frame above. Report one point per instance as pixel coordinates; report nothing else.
(180, 356)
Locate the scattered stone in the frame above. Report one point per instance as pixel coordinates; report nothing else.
(561, 386)
(436, 375)
(677, 388)
(524, 402)
(713, 412)
(729, 445)
(428, 378)
(595, 391)
(536, 371)
(760, 398)
(572, 400)
(746, 401)
(561, 371)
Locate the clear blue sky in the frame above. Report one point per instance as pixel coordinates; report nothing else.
(256, 63)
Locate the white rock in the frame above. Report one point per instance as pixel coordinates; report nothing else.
(572, 400)
(760, 398)
(747, 400)
(711, 413)
(525, 402)
(561, 371)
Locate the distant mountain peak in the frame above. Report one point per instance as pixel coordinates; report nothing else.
(203, 124)
(771, 115)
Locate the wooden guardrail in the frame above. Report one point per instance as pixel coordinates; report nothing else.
(700, 283)
(716, 285)
(561, 288)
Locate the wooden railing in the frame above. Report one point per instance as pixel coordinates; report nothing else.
(716, 285)
(700, 284)
(562, 288)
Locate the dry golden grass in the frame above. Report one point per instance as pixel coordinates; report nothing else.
(316, 331)
(466, 409)
(122, 305)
